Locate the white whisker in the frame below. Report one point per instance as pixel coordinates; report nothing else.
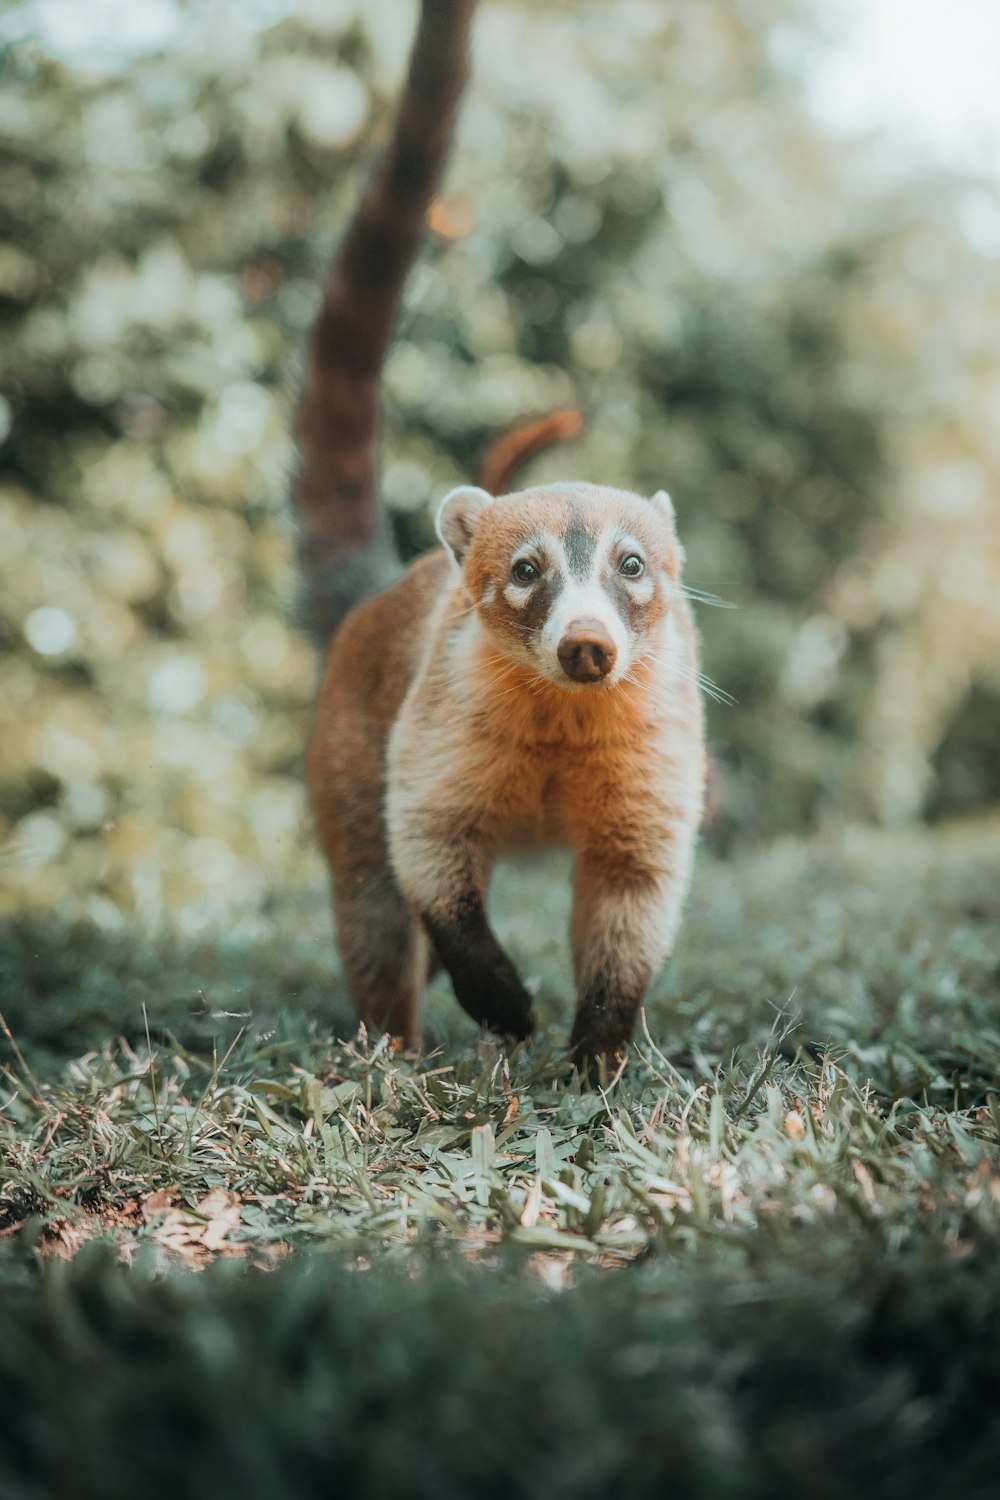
(709, 688)
(699, 679)
(701, 596)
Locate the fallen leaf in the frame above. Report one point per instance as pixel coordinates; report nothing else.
(154, 1204)
(195, 1233)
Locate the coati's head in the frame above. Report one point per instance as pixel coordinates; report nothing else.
(574, 580)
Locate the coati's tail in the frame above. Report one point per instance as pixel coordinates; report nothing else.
(345, 544)
(505, 456)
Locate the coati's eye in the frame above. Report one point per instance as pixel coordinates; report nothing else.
(632, 566)
(524, 571)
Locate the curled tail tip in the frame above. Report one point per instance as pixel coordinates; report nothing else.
(508, 453)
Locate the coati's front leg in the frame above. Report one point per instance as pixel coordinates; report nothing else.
(484, 979)
(625, 914)
(445, 880)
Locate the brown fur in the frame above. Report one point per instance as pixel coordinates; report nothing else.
(532, 684)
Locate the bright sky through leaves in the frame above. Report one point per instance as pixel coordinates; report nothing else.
(928, 71)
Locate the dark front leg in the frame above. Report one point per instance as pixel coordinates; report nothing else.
(606, 1013)
(624, 919)
(444, 875)
(485, 982)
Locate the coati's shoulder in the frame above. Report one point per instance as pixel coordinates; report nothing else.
(377, 649)
(405, 605)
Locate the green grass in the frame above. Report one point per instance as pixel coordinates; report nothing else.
(762, 1259)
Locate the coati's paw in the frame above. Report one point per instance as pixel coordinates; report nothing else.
(506, 1009)
(599, 1046)
(522, 1029)
(597, 1067)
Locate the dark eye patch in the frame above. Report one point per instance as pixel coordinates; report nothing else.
(627, 605)
(535, 612)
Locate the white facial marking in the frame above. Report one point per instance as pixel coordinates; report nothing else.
(584, 599)
(517, 595)
(626, 545)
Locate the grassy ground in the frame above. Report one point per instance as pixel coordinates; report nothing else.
(762, 1257)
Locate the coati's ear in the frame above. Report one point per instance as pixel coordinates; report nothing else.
(457, 516)
(663, 503)
(675, 556)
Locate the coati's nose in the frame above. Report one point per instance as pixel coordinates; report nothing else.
(586, 652)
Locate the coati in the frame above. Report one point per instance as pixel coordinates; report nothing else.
(533, 682)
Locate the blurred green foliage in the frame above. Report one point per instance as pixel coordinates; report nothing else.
(746, 1372)
(794, 335)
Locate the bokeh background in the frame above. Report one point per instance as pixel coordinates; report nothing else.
(792, 326)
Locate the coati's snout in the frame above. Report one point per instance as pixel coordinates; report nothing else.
(586, 652)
